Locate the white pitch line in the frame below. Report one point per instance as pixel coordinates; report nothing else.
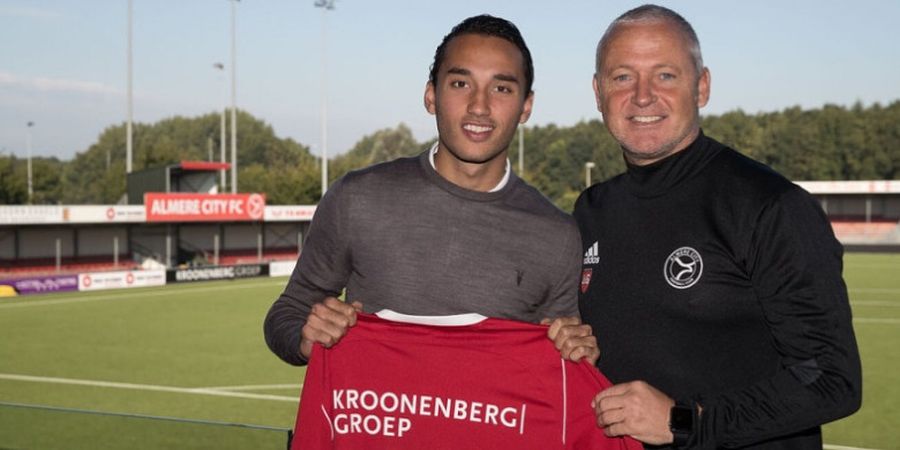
(875, 290)
(871, 266)
(255, 387)
(126, 295)
(876, 320)
(841, 447)
(889, 303)
(145, 387)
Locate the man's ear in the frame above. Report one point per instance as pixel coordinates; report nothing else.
(526, 108)
(430, 98)
(597, 92)
(703, 86)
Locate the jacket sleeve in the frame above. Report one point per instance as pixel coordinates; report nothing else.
(322, 270)
(794, 262)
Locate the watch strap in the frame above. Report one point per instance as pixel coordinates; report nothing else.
(682, 421)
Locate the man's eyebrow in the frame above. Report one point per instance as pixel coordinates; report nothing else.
(458, 71)
(617, 67)
(632, 67)
(500, 76)
(506, 77)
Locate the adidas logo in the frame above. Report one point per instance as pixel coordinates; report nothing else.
(591, 256)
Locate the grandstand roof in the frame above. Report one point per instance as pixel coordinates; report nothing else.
(851, 187)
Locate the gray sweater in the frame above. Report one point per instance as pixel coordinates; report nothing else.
(399, 236)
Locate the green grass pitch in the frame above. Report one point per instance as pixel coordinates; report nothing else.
(195, 351)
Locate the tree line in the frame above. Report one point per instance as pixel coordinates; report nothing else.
(828, 143)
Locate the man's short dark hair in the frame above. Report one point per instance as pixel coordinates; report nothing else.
(486, 25)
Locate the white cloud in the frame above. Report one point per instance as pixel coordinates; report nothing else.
(86, 87)
(47, 84)
(28, 12)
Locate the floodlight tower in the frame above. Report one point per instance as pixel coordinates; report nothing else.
(326, 5)
(587, 173)
(234, 163)
(129, 143)
(222, 139)
(521, 150)
(28, 145)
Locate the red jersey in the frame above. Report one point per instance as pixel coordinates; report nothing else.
(463, 382)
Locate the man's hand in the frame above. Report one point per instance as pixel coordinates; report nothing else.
(327, 323)
(573, 339)
(635, 409)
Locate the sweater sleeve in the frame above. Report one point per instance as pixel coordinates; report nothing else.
(562, 297)
(794, 262)
(322, 270)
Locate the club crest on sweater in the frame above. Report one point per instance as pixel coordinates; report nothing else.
(586, 279)
(683, 268)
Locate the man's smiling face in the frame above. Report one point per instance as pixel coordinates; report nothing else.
(649, 92)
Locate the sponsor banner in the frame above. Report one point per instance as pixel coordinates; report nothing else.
(187, 207)
(122, 279)
(281, 268)
(176, 210)
(217, 273)
(204, 165)
(104, 214)
(289, 213)
(30, 214)
(41, 285)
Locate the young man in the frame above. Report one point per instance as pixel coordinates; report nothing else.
(714, 284)
(450, 231)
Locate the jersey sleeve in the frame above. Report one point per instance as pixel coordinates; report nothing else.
(314, 407)
(795, 266)
(583, 382)
(321, 271)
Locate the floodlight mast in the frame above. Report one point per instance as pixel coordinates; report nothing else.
(223, 142)
(28, 144)
(587, 173)
(521, 150)
(326, 5)
(129, 132)
(234, 162)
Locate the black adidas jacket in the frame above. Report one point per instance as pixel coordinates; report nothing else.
(717, 280)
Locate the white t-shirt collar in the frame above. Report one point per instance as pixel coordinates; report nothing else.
(445, 321)
(500, 185)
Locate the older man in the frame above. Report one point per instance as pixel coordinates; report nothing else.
(713, 284)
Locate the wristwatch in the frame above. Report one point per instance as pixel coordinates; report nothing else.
(681, 423)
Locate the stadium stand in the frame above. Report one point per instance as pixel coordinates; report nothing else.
(42, 266)
(865, 216)
(250, 256)
(877, 231)
(175, 217)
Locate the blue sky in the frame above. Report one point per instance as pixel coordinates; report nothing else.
(63, 62)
